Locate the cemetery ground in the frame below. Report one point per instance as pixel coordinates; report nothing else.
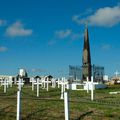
(49, 106)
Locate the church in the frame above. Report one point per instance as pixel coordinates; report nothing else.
(87, 69)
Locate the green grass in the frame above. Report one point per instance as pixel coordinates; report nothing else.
(49, 106)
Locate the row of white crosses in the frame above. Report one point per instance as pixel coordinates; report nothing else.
(64, 94)
(66, 102)
(5, 84)
(6, 81)
(35, 81)
(44, 82)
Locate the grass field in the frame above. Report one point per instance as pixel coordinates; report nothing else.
(49, 106)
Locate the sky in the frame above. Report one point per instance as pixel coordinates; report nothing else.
(46, 36)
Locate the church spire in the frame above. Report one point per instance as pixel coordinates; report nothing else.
(86, 60)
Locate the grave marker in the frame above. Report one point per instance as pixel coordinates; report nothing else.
(92, 89)
(18, 105)
(87, 85)
(20, 83)
(66, 106)
(5, 85)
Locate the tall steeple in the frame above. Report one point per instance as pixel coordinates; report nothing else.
(86, 58)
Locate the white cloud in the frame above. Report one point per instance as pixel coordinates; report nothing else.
(63, 33)
(3, 49)
(106, 47)
(37, 70)
(2, 22)
(17, 29)
(76, 36)
(51, 42)
(107, 16)
(76, 18)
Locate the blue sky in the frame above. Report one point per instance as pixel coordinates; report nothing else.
(45, 36)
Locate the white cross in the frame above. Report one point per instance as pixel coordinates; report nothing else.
(53, 83)
(63, 83)
(10, 81)
(66, 106)
(92, 89)
(33, 81)
(46, 82)
(5, 83)
(18, 106)
(37, 83)
(58, 82)
(87, 85)
(20, 84)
